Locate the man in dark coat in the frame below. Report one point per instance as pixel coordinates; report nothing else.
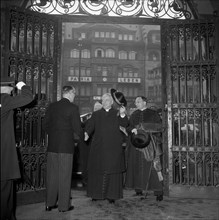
(85, 146)
(144, 173)
(9, 159)
(106, 159)
(62, 123)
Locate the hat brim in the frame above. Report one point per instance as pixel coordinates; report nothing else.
(140, 140)
(113, 94)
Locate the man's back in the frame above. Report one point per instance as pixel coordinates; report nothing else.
(62, 120)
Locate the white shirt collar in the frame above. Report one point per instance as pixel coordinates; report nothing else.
(143, 109)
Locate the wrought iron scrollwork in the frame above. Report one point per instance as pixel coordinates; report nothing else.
(132, 8)
(194, 104)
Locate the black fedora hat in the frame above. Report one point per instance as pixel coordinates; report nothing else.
(141, 139)
(118, 97)
(7, 81)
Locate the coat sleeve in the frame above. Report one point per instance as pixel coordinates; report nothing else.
(46, 120)
(76, 123)
(131, 124)
(90, 124)
(123, 121)
(17, 101)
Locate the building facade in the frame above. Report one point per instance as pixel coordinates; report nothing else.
(99, 57)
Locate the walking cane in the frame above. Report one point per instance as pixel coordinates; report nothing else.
(146, 189)
(149, 175)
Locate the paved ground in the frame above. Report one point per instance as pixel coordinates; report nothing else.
(130, 207)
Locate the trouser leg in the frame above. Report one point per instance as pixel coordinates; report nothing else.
(7, 200)
(65, 177)
(52, 179)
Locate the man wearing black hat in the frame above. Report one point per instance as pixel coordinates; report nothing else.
(144, 167)
(9, 160)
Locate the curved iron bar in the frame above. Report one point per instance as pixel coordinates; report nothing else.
(174, 9)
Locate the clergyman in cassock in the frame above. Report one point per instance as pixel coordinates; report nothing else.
(144, 170)
(106, 162)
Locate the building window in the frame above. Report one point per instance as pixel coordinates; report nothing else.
(130, 73)
(125, 74)
(107, 34)
(102, 89)
(74, 53)
(99, 53)
(129, 91)
(132, 55)
(120, 36)
(125, 37)
(131, 37)
(85, 90)
(153, 56)
(85, 53)
(97, 34)
(102, 34)
(83, 35)
(99, 68)
(82, 90)
(103, 70)
(83, 71)
(88, 72)
(136, 74)
(71, 72)
(76, 71)
(113, 35)
(150, 74)
(123, 55)
(110, 53)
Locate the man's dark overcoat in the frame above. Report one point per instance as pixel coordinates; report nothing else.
(9, 159)
(62, 122)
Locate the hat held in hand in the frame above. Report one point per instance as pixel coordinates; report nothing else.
(7, 81)
(141, 139)
(118, 97)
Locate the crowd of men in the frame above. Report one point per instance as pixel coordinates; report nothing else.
(108, 165)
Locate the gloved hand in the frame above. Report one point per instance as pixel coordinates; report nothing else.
(135, 131)
(20, 84)
(86, 136)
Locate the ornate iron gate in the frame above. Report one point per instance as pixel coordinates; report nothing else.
(192, 95)
(32, 58)
(193, 109)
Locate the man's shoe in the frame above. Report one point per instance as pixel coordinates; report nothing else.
(159, 198)
(49, 208)
(111, 201)
(139, 193)
(69, 209)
